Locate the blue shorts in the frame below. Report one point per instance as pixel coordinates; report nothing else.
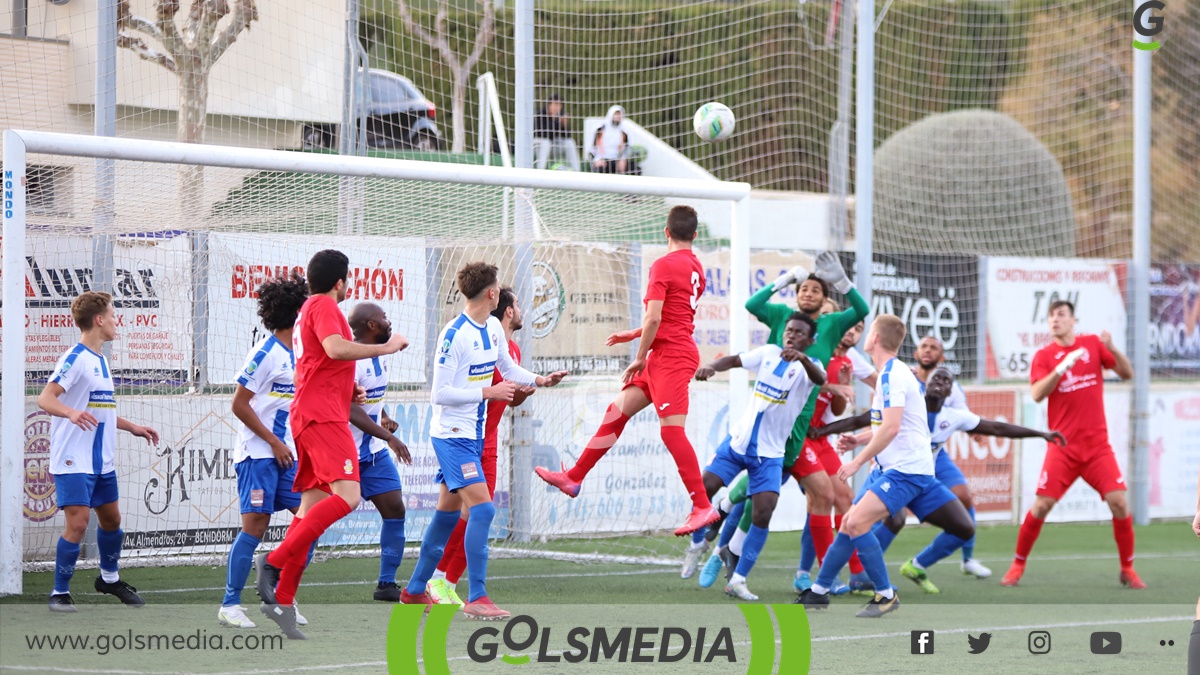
(921, 494)
(264, 487)
(85, 489)
(946, 471)
(378, 474)
(766, 473)
(460, 461)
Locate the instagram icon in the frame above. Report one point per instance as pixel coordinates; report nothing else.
(1039, 642)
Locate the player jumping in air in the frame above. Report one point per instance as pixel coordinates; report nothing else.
(472, 347)
(944, 422)
(806, 467)
(265, 456)
(666, 360)
(83, 437)
(373, 436)
(327, 458)
(454, 559)
(1070, 373)
(899, 444)
(783, 380)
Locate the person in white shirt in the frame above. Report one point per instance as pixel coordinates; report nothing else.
(471, 348)
(610, 148)
(265, 454)
(784, 379)
(899, 443)
(944, 422)
(373, 436)
(83, 437)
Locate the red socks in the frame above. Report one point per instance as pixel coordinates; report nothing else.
(454, 557)
(1030, 529)
(689, 467)
(293, 552)
(1123, 533)
(822, 534)
(855, 564)
(606, 436)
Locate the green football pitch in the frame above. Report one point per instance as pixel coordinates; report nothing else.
(1070, 591)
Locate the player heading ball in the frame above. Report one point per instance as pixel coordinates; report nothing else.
(666, 360)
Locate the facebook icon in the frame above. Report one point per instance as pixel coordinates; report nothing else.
(922, 642)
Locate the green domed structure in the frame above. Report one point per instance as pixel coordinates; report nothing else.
(971, 181)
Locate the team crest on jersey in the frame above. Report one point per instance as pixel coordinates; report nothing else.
(252, 367)
(944, 425)
(477, 344)
(348, 468)
(65, 367)
(96, 370)
(446, 346)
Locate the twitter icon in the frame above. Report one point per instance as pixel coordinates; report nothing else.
(979, 644)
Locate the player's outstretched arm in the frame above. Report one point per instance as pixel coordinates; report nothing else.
(845, 426)
(719, 366)
(360, 419)
(1123, 368)
(760, 306)
(1006, 430)
(623, 336)
(139, 430)
(510, 371)
(339, 348)
(830, 269)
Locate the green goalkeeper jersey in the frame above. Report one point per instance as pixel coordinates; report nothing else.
(830, 329)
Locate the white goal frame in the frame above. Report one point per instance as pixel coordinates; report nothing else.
(18, 144)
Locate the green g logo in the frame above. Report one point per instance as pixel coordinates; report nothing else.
(1147, 27)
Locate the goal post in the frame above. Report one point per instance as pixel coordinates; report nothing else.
(600, 229)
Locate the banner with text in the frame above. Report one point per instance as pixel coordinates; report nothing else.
(387, 271)
(989, 462)
(1019, 294)
(1175, 320)
(934, 295)
(1174, 452)
(152, 286)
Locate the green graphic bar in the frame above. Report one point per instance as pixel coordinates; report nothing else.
(434, 644)
(762, 639)
(794, 637)
(402, 639)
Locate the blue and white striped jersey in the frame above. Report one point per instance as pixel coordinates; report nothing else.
(468, 355)
(87, 383)
(781, 389)
(908, 452)
(269, 374)
(370, 374)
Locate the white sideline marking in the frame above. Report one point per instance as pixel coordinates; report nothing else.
(827, 638)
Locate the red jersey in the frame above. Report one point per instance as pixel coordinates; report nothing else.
(495, 409)
(1076, 406)
(825, 398)
(677, 279)
(324, 386)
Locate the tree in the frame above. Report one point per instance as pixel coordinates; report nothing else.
(189, 51)
(460, 69)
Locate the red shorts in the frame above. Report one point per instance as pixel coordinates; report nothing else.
(1092, 460)
(488, 460)
(808, 461)
(830, 459)
(665, 380)
(325, 453)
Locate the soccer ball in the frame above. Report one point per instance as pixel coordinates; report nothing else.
(713, 122)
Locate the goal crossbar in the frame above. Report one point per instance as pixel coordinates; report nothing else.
(18, 144)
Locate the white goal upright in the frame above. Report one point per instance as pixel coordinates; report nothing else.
(182, 236)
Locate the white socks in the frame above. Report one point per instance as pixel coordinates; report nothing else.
(735, 544)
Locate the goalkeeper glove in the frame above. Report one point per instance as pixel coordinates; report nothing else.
(830, 270)
(1069, 360)
(789, 277)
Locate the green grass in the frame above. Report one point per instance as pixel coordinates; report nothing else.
(1070, 589)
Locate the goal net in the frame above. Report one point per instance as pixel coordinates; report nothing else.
(184, 265)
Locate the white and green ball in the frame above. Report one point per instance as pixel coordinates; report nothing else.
(714, 122)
